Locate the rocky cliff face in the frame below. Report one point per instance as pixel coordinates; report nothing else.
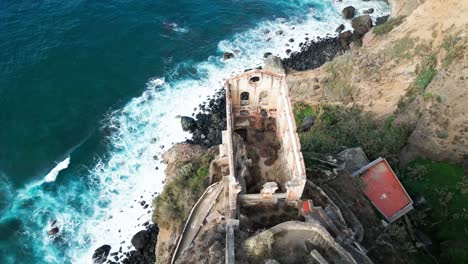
(413, 69)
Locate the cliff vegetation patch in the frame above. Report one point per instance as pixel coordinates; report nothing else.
(452, 49)
(423, 79)
(173, 205)
(440, 190)
(337, 127)
(338, 85)
(388, 26)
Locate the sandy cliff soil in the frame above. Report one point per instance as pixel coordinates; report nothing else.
(390, 75)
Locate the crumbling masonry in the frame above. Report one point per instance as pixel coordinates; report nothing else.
(263, 177)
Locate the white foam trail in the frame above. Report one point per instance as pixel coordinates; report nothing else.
(148, 125)
(52, 175)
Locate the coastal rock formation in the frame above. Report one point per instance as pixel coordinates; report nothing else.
(348, 12)
(210, 121)
(345, 38)
(313, 54)
(340, 28)
(145, 244)
(180, 153)
(361, 24)
(228, 55)
(369, 11)
(274, 64)
(100, 254)
(188, 123)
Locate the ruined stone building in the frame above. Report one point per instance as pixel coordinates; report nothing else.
(261, 130)
(262, 198)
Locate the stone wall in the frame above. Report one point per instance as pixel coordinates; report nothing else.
(252, 97)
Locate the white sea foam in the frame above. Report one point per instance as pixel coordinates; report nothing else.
(148, 125)
(52, 175)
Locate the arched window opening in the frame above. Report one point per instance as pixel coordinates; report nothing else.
(263, 98)
(254, 79)
(244, 98)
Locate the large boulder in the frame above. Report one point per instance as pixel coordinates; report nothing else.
(361, 24)
(348, 12)
(274, 64)
(369, 11)
(345, 38)
(140, 239)
(340, 28)
(145, 243)
(100, 254)
(381, 20)
(53, 231)
(228, 55)
(188, 123)
(307, 123)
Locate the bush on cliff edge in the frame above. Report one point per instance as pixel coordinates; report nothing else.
(172, 207)
(336, 127)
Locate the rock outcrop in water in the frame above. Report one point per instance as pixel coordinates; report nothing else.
(145, 244)
(100, 254)
(313, 54)
(209, 121)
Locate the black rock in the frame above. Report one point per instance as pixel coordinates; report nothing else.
(188, 123)
(369, 11)
(313, 54)
(307, 123)
(361, 24)
(228, 55)
(345, 38)
(139, 239)
(381, 20)
(340, 28)
(348, 12)
(53, 231)
(146, 241)
(100, 254)
(266, 54)
(210, 122)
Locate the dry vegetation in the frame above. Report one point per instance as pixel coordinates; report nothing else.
(173, 205)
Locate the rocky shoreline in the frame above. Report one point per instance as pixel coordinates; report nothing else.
(207, 125)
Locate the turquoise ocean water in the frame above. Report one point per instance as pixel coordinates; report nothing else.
(89, 95)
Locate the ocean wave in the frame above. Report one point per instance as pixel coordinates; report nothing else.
(52, 175)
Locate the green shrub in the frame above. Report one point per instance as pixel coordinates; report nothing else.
(172, 207)
(388, 26)
(338, 126)
(338, 86)
(453, 51)
(428, 71)
(446, 224)
(300, 111)
(443, 134)
(427, 96)
(402, 49)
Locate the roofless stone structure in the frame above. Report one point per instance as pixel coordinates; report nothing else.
(259, 111)
(263, 178)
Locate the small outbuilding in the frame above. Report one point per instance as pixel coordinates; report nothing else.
(384, 190)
